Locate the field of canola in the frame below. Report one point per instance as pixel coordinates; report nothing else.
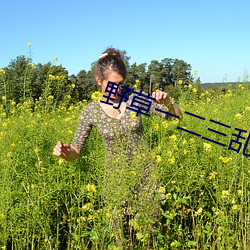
(47, 203)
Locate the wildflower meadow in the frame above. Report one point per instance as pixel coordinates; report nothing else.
(48, 203)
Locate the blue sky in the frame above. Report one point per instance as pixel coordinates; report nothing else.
(212, 36)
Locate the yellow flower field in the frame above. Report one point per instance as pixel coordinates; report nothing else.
(47, 203)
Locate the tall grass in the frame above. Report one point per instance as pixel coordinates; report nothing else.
(47, 203)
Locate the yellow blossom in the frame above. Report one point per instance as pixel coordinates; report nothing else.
(97, 95)
(195, 71)
(239, 192)
(247, 108)
(37, 149)
(207, 147)
(50, 97)
(134, 86)
(156, 127)
(225, 193)
(29, 44)
(218, 212)
(87, 207)
(133, 116)
(158, 159)
(190, 86)
(212, 175)
(56, 58)
(180, 82)
(2, 217)
(91, 188)
(184, 142)
(133, 173)
(225, 159)
(198, 212)
(137, 80)
(2, 72)
(238, 116)
(235, 207)
(172, 160)
(33, 186)
(168, 196)
(73, 85)
(61, 161)
(194, 90)
(192, 140)
(164, 124)
(4, 124)
(162, 190)
(173, 137)
(3, 97)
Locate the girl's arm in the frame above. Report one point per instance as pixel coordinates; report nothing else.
(66, 151)
(165, 103)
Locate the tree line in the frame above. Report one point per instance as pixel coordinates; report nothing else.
(22, 79)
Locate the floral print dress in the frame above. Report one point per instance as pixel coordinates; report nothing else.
(121, 137)
(128, 129)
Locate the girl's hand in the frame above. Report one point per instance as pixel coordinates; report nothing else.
(161, 97)
(62, 149)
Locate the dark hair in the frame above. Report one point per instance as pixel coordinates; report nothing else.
(110, 60)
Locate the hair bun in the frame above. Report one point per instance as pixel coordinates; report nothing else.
(111, 52)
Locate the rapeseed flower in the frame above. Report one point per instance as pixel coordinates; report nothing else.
(238, 116)
(194, 90)
(2, 72)
(180, 82)
(91, 188)
(171, 160)
(225, 159)
(133, 116)
(239, 192)
(158, 159)
(97, 95)
(168, 196)
(184, 142)
(164, 124)
(225, 193)
(162, 190)
(192, 140)
(87, 207)
(156, 127)
(173, 137)
(212, 175)
(207, 147)
(198, 212)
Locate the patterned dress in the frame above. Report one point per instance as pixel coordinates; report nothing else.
(123, 139)
(128, 129)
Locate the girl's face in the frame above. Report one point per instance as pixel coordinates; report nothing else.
(115, 78)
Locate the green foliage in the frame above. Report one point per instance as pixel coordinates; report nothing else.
(47, 203)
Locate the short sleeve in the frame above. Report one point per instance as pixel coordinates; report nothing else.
(84, 127)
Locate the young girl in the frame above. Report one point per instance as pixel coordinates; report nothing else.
(120, 127)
